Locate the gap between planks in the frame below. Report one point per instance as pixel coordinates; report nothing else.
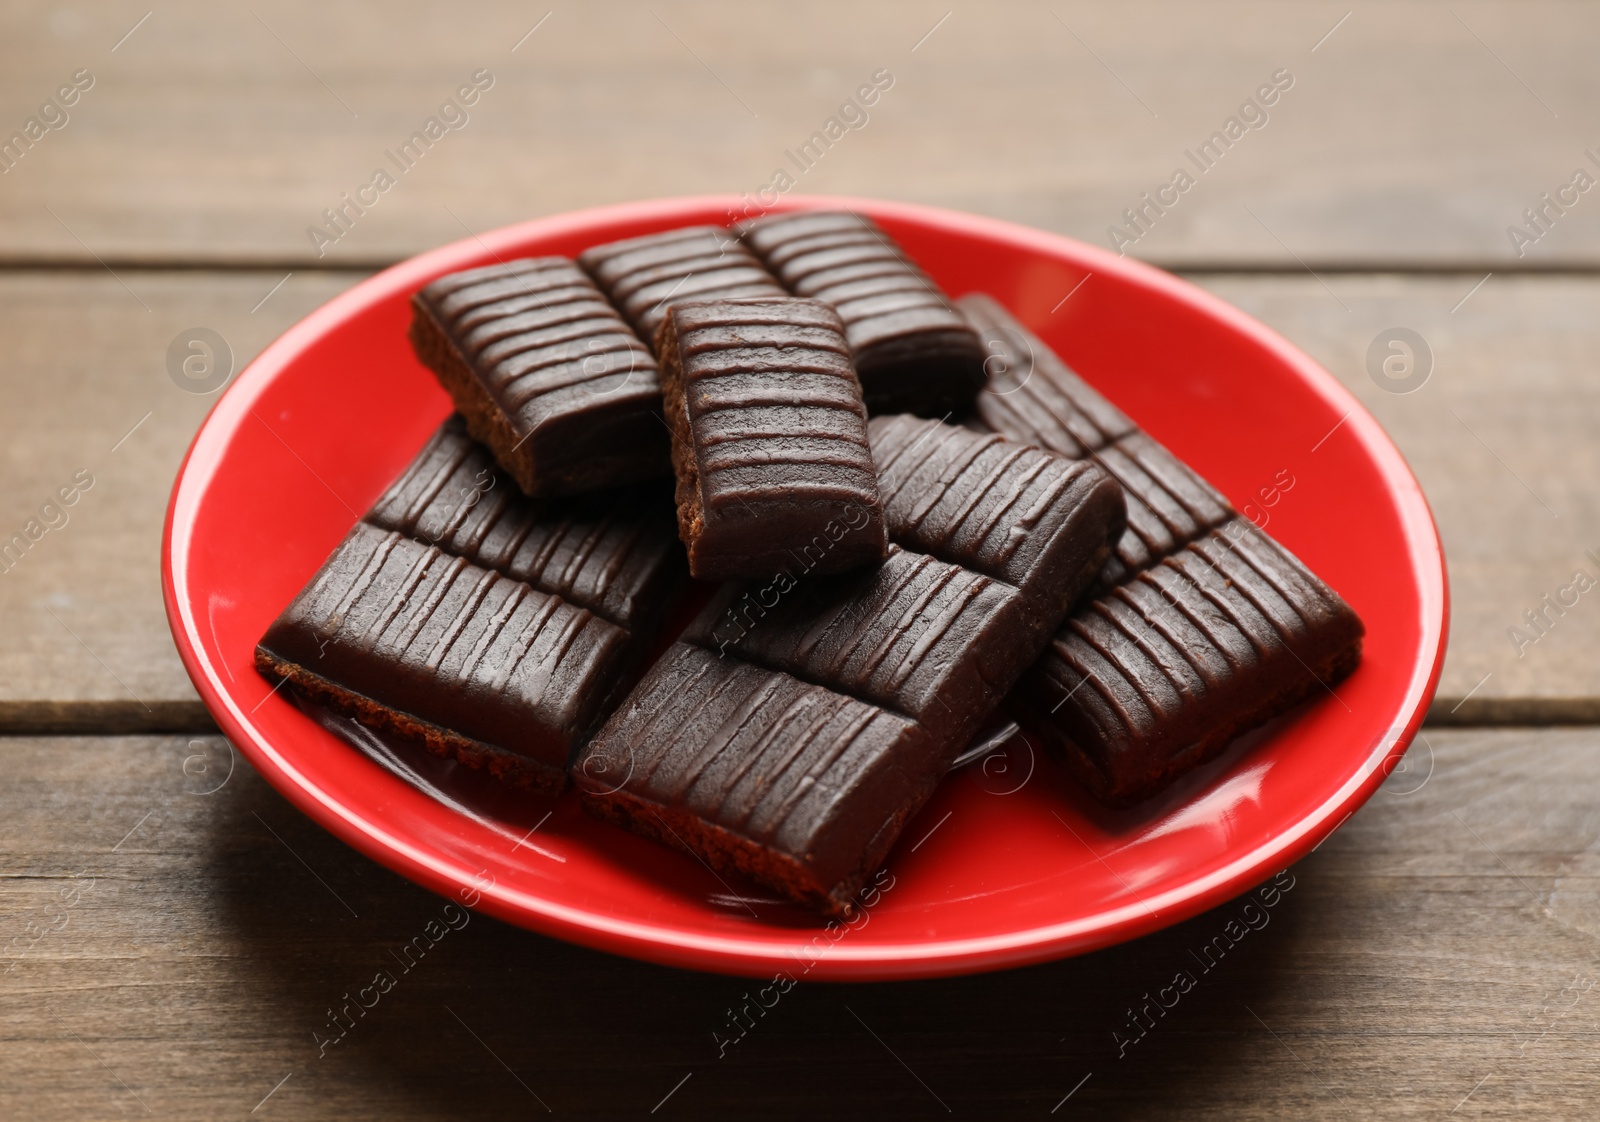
(132, 718)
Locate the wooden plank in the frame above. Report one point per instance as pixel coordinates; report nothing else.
(1438, 953)
(87, 389)
(1501, 436)
(87, 362)
(66, 718)
(1412, 133)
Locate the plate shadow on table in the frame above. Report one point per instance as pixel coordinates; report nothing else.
(491, 1019)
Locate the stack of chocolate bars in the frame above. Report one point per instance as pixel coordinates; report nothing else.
(876, 583)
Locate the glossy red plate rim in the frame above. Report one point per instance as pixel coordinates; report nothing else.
(670, 946)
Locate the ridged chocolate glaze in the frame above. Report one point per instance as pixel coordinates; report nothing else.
(886, 672)
(1169, 505)
(758, 773)
(987, 503)
(915, 634)
(546, 374)
(993, 541)
(616, 553)
(1035, 398)
(1202, 626)
(1157, 676)
(913, 351)
(1031, 395)
(407, 637)
(645, 276)
(769, 439)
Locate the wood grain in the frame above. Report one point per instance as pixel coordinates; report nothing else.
(86, 388)
(1412, 134)
(1445, 941)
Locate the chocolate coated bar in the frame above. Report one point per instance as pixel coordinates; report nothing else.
(1033, 397)
(799, 724)
(991, 542)
(495, 628)
(757, 772)
(1157, 676)
(646, 276)
(1202, 626)
(769, 439)
(1169, 505)
(546, 373)
(913, 351)
(983, 502)
(615, 552)
(491, 670)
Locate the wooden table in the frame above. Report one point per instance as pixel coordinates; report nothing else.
(170, 952)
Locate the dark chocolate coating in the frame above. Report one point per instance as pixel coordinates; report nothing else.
(1031, 395)
(887, 671)
(1003, 509)
(1035, 398)
(1157, 676)
(546, 374)
(993, 541)
(760, 773)
(549, 563)
(769, 439)
(1169, 505)
(1202, 627)
(615, 553)
(646, 276)
(915, 634)
(913, 351)
(405, 636)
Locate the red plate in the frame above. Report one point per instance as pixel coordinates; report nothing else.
(1009, 864)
